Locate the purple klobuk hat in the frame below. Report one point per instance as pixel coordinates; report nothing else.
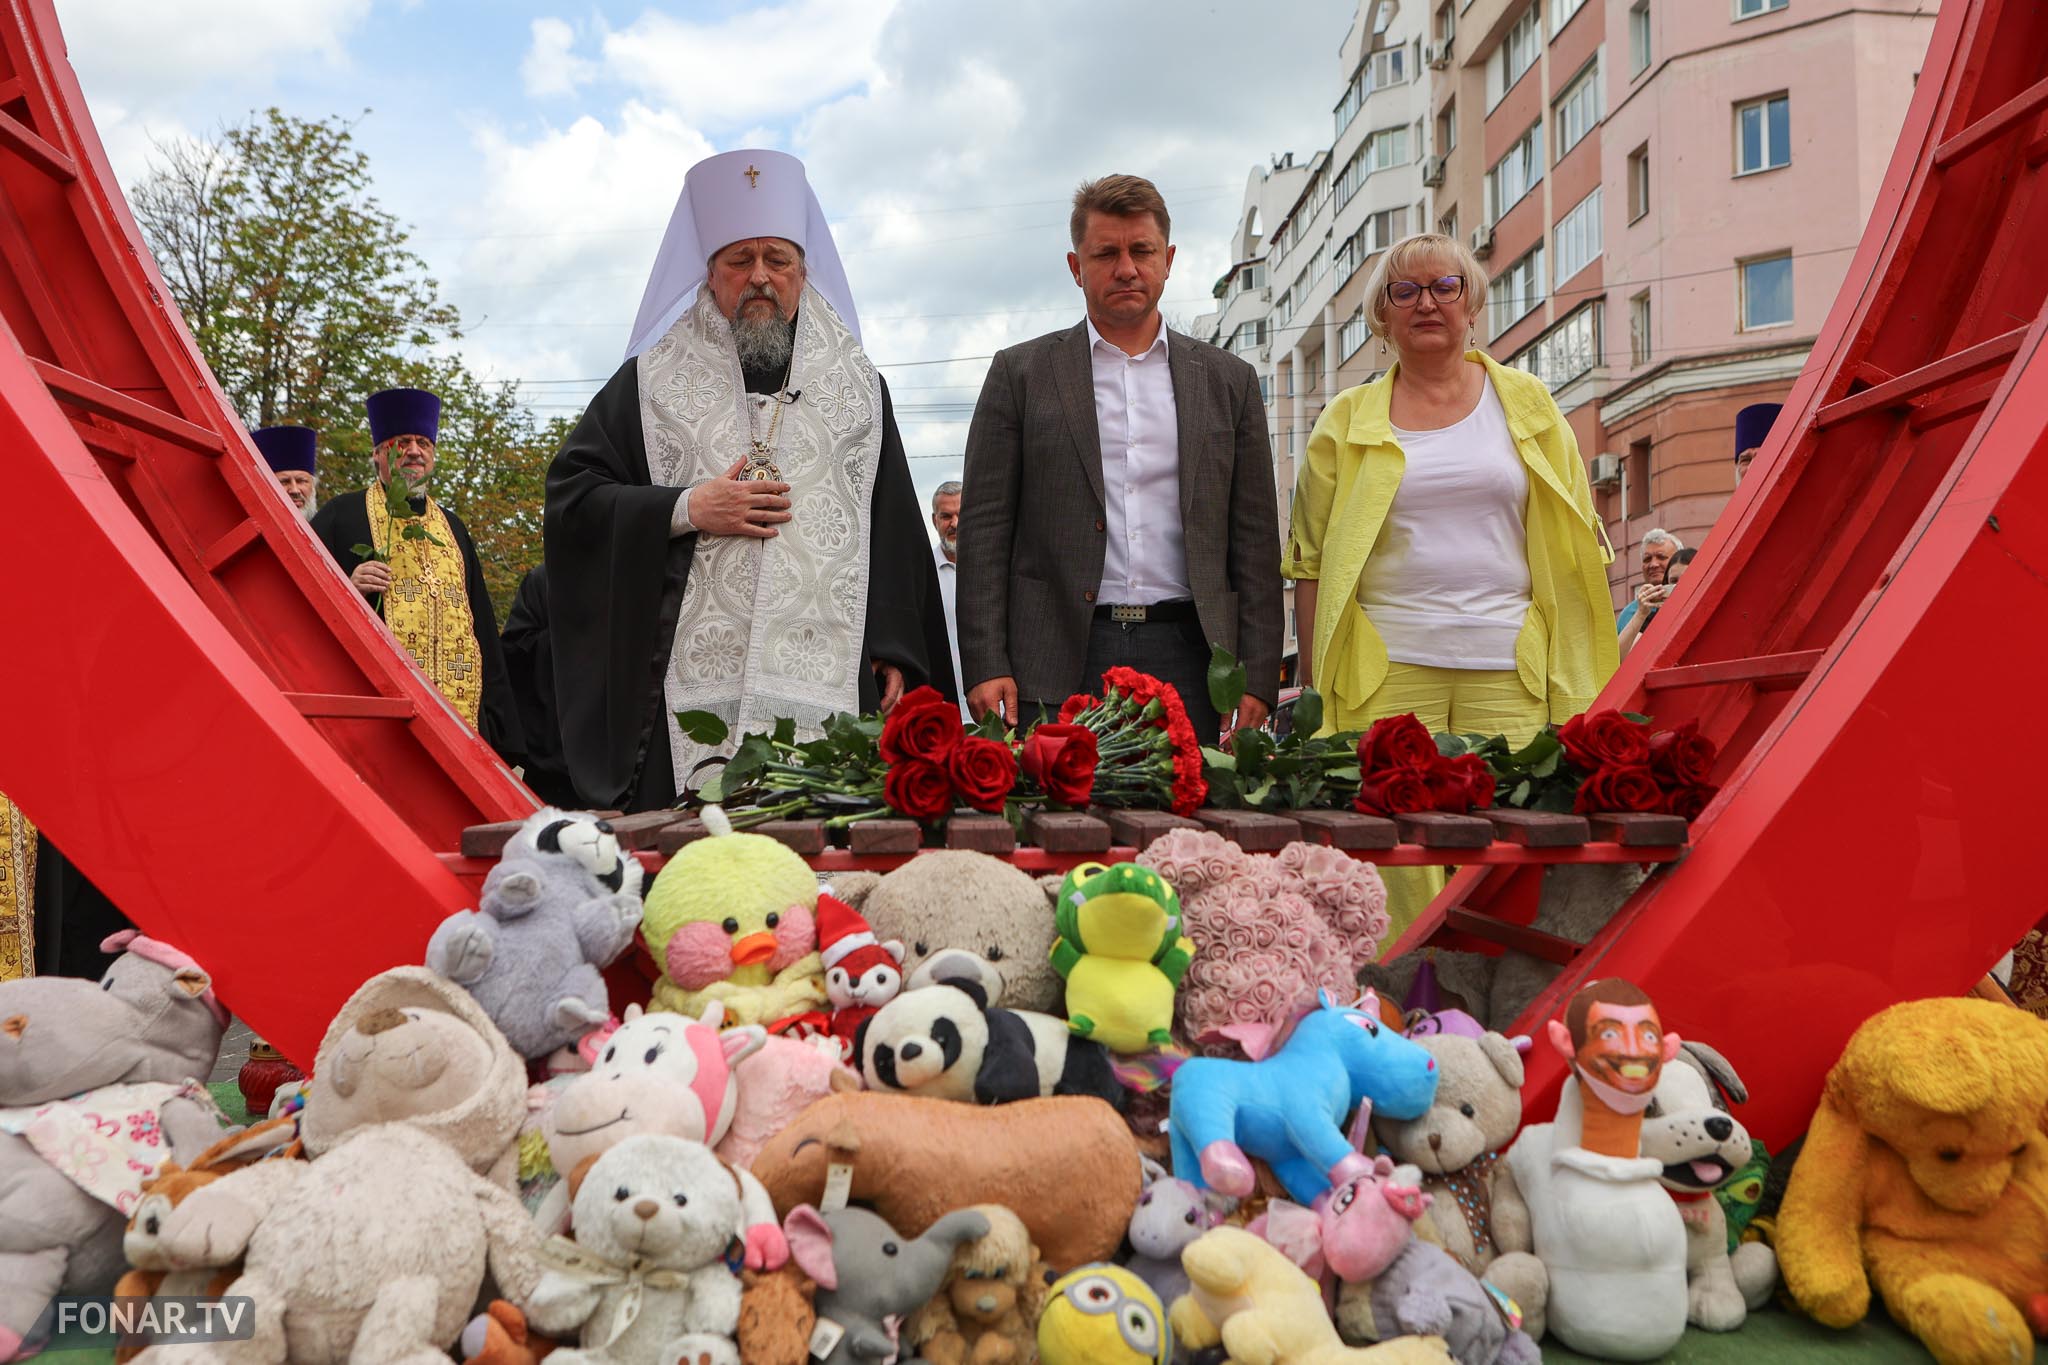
(287, 448)
(403, 412)
(1753, 425)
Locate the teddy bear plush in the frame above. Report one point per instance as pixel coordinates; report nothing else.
(971, 901)
(1925, 1172)
(97, 1080)
(1457, 1146)
(561, 904)
(986, 1312)
(945, 1041)
(377, 1247)
(648, 1279)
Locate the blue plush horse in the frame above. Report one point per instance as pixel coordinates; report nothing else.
(1289, 1108)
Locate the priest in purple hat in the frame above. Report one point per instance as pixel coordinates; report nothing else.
(293, 456)
(732, 528)
(421, 571)
(1752, 429)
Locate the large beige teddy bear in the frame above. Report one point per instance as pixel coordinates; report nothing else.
(969, 902)
(375, 1250)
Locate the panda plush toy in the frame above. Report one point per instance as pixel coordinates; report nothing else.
(943, 1041)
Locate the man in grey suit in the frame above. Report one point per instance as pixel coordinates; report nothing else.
(1119, 505)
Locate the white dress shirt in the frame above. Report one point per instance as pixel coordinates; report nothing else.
(1136, 423)
(949, 593)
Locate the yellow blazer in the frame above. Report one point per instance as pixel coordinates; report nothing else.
(1348, 477)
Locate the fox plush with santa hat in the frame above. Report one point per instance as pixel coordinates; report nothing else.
(862, 974)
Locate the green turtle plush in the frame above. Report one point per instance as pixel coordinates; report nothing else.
(1122, 954)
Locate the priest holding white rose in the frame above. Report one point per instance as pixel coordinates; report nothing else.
(731, 527)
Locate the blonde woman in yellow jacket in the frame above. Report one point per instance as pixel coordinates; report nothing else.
(1444, 542)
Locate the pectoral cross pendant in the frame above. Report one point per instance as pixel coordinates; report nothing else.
(761, 464)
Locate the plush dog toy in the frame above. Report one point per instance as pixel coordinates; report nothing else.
(1103, 1315)
(99, 1083)
(986, 1312)
(1926, 1172)
(946, 1042)
(562, 903)
(1689, 1129)
(648, 1279)
(869, 1273)
(1289, 1108)
(954, 899)
(918, 1159)
(1122, 953)
(732, 918)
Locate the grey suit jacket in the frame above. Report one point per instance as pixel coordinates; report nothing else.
(1033, 531)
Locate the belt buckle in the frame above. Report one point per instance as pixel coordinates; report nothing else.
(1127, 614)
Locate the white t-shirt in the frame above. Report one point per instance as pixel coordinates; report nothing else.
(1447, 582)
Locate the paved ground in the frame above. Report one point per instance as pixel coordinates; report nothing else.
(234, 1050)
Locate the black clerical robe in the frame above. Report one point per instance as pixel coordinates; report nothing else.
(615, 583)
(344, 521)
(530, 664)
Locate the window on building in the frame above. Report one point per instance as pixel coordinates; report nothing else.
(1266, 389)
(1312, 373)
(1577, 239)
(1380, 70)
(1635, 480)
(1750, 9)
(1515, 174)
(1446, 22)
(1516, 291)
(1387, 148)
(1639, 182)
(1763, 134)
(1767, 291)
(1352, 178)
(1383, 229)
(1448, 223)
(1248, 337)
(1578, 109)
(1515, 55)
(1638, 38)
(1389, 68)
(1561, 12)
(1319, 262)
(1566, 351)
(1447, 130)
(1352, 334)
(1639, 329)
(1283, 308)
(1251, 277)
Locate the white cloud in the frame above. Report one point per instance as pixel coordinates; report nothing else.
(551, 66)
(144, 52)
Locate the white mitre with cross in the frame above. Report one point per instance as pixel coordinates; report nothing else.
(729, 198)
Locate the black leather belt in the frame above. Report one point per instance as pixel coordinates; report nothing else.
(1149, 613)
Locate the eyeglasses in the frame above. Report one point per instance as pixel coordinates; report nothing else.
(1407, 293)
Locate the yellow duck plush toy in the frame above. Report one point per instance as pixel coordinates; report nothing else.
(1103, 1315)
(733, 918)
(1246, 1296)
(1926, 1172)
(1122, 953)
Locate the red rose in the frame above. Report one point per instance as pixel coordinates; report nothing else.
(1623, 787)
(1605, 739)
(1688, 802)
(1395, 791)
(924, 726)
(1075, 705)
(1461, 784)
(1061, 760)
(984, 771)
(1396, 742)
(1682, 757)
(918, 789)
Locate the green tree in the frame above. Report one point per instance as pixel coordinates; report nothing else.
(304, 298)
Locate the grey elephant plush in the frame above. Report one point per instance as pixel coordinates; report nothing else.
(377, 1247)
(867, 1272)
(561, 904)
(100, 1083)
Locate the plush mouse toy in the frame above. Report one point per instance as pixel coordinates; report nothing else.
(944, 1041)
(1170, 1214)
(561, 904)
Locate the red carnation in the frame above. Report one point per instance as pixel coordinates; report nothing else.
(1396, 742)
(1462, 784)
(1075, 705)
(1605, 739)
(1395, 791)
(1061, 759)
(984, 771)
(924, 725)
(918, 789)
(1683, 757)
(1688, 802)
(1622, 787)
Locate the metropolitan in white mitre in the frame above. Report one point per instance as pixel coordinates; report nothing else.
(731, 527)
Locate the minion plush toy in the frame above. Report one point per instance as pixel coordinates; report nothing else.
(1122, 953)
(1103, 1315)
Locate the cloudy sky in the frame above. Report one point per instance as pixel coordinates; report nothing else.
(537, 148)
